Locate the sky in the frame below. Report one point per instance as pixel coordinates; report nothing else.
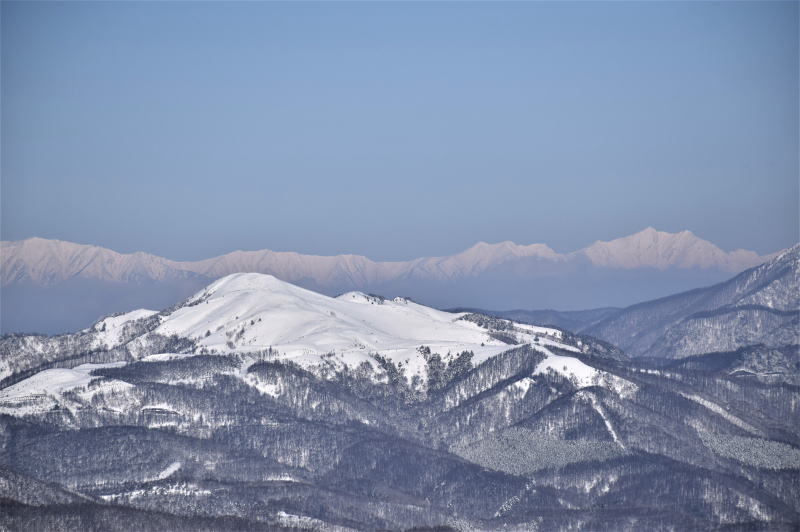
(397, 130)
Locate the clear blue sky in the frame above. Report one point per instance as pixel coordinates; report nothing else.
(397, 130)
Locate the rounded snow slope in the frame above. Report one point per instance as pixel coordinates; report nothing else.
(41, 392)
(250, 311)
(118, 320)
(111, 330)
(237, 282)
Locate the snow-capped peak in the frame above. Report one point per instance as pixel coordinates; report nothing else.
(236, 282)
(256, 312)
(650, 248)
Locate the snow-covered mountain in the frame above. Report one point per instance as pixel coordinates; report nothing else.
(256, 404)
(258, 313)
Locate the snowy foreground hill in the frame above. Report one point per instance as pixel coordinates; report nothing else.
(256, 404)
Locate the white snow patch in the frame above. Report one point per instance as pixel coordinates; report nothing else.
(108, 331)
(42, 391)
(271, 389)
(54, 381)
(570, 367)
(180, 489)
(603, 414)
(522, 386)
(282, 478)
(302, 521)
(717, 409)
(169, 471)
(535, 329)
(163, 357)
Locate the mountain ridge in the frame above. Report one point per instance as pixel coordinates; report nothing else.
(44, 261)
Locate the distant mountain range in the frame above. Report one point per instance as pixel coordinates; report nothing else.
(51, 285)
(51, 261)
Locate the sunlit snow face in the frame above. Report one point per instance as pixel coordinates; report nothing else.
(252, 312)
